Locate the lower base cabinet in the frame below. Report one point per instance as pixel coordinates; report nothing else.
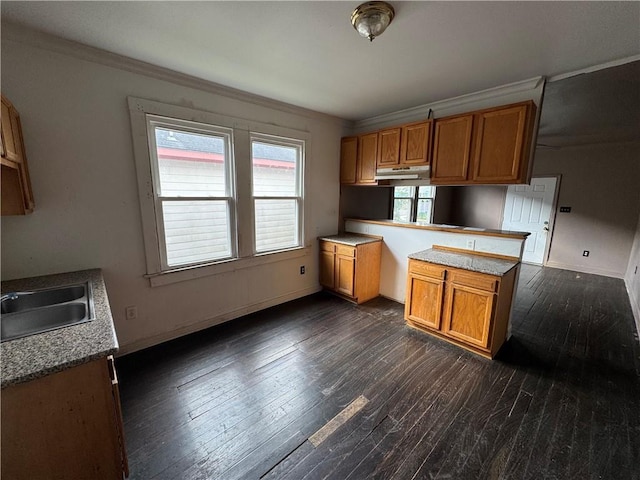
(351, 271)
(66, 425)
(466, 308)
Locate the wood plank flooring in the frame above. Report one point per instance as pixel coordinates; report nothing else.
(240, 401)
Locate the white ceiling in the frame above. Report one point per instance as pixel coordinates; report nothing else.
(307, 53)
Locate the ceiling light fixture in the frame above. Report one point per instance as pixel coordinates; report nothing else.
(372, 18)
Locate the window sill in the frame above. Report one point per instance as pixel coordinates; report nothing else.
(199, 271)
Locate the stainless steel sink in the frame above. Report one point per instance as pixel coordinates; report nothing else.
(38, 311)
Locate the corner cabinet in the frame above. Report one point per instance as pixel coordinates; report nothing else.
(469, 309)
(65, 425)
(358, 159)
(489, 146)
(352, 271)
(17, 196)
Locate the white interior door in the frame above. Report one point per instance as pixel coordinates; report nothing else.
(528, 209)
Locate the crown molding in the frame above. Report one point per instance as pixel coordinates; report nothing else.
(45, 41)
(595, 68)
(510, 93)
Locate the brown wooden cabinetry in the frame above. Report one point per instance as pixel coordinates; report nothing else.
(351, 271)
(406, 145)
(415, 148)
(489, 146)
(17, 197)
(389, 147)
(64, 425)
(358, 159)
(463, 307)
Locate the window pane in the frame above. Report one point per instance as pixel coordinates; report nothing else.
(196, 231)
(190, 164)
(404, 192)
(274, 170)
(424, 209)
(402, 209)
(276, 224)
(426, 192)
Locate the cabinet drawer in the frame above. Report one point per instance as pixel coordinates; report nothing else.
(327, 246)
(480, 281)
(346, 250)
(428, 269)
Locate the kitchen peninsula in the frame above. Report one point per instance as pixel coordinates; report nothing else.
(457, 283)
(401, 239)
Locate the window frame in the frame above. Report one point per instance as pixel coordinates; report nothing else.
(154, 121)
(414, 199)
(246, 257)
(299, 145)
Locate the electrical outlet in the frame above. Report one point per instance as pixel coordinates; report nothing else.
(302, 270)
(585, 253)
(565, 209)
(131, 312)
(471, 244)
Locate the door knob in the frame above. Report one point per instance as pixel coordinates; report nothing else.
(546, 229)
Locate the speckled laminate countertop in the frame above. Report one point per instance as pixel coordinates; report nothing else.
(38, 355)
(350, 239)
(474, 263)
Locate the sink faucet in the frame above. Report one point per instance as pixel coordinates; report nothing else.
(9, 296)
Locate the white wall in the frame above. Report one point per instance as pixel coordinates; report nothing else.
(78, 141)
(600, 183)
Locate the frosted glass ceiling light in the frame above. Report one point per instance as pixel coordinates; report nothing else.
(372, 18)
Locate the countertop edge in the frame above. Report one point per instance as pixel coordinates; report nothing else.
(345, 239)
(28, 358)
(447, 228)
(506, 265)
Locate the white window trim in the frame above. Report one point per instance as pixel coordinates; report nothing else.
(246, 257)
(300, 169)
(154, 121)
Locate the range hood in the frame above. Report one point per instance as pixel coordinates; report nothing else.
(403, 173)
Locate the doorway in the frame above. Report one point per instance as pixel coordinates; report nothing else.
(529, 208)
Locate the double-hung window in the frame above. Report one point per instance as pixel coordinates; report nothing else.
(277, 191)
(412, 203)
(216, 192)
(192, 170)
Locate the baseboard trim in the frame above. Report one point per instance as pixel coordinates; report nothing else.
(582, 269)
(213, 321)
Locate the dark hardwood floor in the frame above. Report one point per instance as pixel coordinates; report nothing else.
(561, 401)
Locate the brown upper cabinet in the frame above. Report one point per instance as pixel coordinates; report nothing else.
(489, 146)
(407, 145)
(17, 197)
(358, 159)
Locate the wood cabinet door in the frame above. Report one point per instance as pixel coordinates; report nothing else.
(389, 148)
(501, 145)
(416, 143)
(451, 150)
(345, 275)
(367, 155)
(423, 304)
(9, 135)
(327, 269)
(348, 159)
(467, 314)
